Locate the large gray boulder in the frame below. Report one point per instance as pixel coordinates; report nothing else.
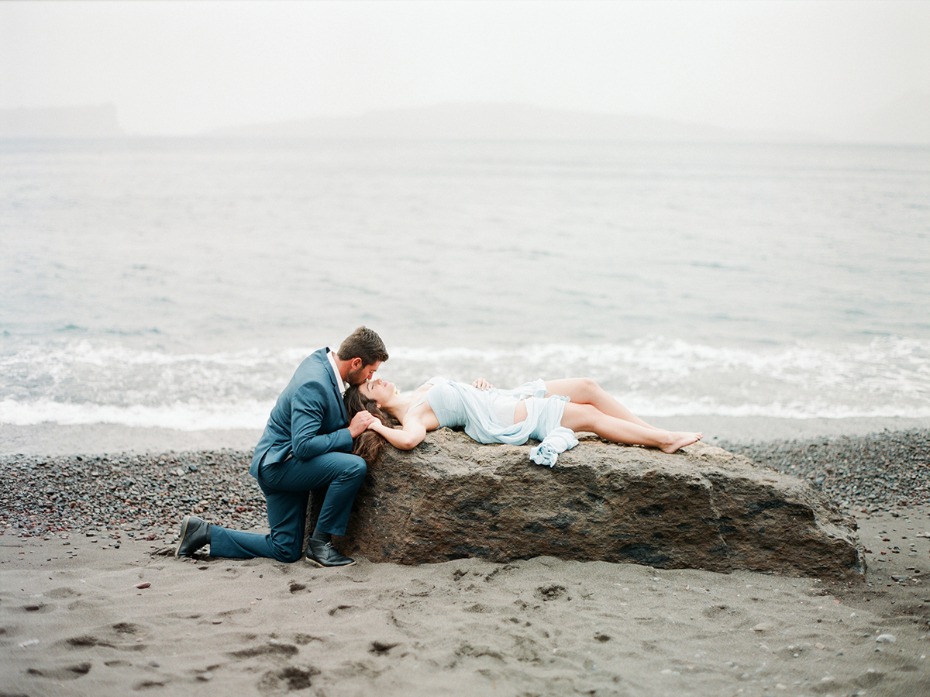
(702, 507)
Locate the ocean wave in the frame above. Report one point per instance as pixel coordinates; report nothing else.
(110, 354)
(179, 417)
(253, 415)
(84, 381)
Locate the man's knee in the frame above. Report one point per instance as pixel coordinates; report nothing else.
(288, 556)
(354, 467)
(287, 550)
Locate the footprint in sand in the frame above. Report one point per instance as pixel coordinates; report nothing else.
(61, 593)
(115, 637)
(126, 628)
(717, 610)
(338, 609)
(527, 650)
(380, 648)
(269, 649)
(147, 684)
(87, 641)
(869, 678)
(479, 608)
(288, 679)
(553, 592)
(41, 608)
(467, 650)
(500, 569)
(71, 672)
(304, 639)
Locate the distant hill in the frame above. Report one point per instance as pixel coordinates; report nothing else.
(502, 121)
(903, 121)
(60, 122)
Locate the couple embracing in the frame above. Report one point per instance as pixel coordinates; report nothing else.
(333, 417)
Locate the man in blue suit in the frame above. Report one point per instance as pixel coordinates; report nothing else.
(306, 446)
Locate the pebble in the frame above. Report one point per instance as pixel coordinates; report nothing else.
(146, 495)
(869, 474)
(140, 496)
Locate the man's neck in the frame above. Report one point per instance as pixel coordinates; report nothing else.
(342, 367)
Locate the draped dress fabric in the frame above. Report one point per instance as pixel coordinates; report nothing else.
(487, 416)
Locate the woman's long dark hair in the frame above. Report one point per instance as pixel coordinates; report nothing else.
(369, 445)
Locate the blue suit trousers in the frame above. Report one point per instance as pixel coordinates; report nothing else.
(287, 486)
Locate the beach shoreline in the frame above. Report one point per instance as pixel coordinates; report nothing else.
(86, 439)
(103, 607)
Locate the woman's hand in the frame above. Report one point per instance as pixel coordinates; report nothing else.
(482, 384)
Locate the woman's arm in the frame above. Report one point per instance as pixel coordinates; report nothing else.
(406, 438)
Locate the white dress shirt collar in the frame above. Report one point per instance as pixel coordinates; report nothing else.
(332, 362)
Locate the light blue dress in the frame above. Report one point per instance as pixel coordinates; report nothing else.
(487, 415)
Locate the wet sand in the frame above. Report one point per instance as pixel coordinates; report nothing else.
(106, 611)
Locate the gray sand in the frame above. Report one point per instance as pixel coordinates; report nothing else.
(93, 602)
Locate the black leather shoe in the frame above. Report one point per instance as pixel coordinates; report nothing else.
(324, 554)
(195, 533)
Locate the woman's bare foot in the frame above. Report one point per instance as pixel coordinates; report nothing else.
(680, 439)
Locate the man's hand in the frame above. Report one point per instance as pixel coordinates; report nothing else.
(360, 422)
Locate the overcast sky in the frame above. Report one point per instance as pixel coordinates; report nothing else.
(186, 67)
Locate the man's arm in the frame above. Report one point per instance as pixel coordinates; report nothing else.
(307, 412)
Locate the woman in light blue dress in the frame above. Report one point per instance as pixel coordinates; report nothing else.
(547, 411)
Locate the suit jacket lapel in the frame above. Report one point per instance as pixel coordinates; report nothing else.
(337, 393)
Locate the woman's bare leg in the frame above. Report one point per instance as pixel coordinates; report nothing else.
(587, 391)
(587, 417)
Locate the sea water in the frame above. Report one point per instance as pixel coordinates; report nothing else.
(178, 282)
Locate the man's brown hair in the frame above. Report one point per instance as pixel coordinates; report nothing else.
(363, 343)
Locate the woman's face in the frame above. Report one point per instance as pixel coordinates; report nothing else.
(379, 390)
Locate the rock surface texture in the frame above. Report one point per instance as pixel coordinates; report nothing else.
(702, 507)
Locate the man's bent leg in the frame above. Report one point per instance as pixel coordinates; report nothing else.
(348, 473)
(340, 474)
(286, 515)
(235, 544)
(287, 511)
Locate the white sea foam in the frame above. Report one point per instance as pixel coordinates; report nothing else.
(84, 382)
(178, 416)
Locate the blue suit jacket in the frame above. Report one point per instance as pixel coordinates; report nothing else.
(309, 418)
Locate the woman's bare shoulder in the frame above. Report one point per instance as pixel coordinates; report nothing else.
(421, 414)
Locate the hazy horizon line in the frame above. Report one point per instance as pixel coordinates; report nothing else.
(252, 129)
